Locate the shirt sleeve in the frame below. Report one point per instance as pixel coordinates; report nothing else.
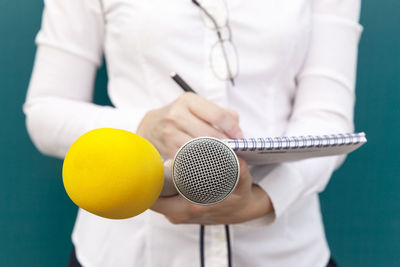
(58, 105)
(324, 101)
(74, 26)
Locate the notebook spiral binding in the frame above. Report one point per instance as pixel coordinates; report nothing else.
(295, 142)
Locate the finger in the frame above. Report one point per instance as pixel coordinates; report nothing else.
(213, 114)
(244, 168)
(196, 127)
(245, 179)
(173, 140)
(180, 139)
(174, 208)
(233, 113)
(167, 205)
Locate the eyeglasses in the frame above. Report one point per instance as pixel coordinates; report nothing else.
(223, 54)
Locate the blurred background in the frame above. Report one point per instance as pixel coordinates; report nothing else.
(361, 205)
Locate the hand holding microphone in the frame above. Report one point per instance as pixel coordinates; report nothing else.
(247, 202)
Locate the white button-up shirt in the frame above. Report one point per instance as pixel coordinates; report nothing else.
(296, 61)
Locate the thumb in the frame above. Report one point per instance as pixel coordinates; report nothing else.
(245, 179)
(235, 116)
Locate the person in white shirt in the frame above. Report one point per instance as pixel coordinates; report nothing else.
(260, 68)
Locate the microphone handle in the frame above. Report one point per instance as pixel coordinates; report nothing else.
(169, 187)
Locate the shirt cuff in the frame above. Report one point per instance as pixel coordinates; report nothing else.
(288, 182)
(284, 186)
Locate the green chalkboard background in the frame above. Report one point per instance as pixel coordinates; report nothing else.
(361, 205)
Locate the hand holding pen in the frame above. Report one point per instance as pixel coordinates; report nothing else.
(188, 117)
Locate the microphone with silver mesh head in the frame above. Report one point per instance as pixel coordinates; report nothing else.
(205, 171)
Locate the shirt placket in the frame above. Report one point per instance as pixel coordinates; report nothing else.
(216, 248)
(216, 89)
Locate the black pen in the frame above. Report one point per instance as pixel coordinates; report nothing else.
(182, 83)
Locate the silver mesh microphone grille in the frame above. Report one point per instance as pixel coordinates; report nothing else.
(205, 171)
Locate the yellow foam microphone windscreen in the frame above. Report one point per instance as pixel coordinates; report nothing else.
(113, 173)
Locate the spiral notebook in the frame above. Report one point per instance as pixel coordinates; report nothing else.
(270, 150)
